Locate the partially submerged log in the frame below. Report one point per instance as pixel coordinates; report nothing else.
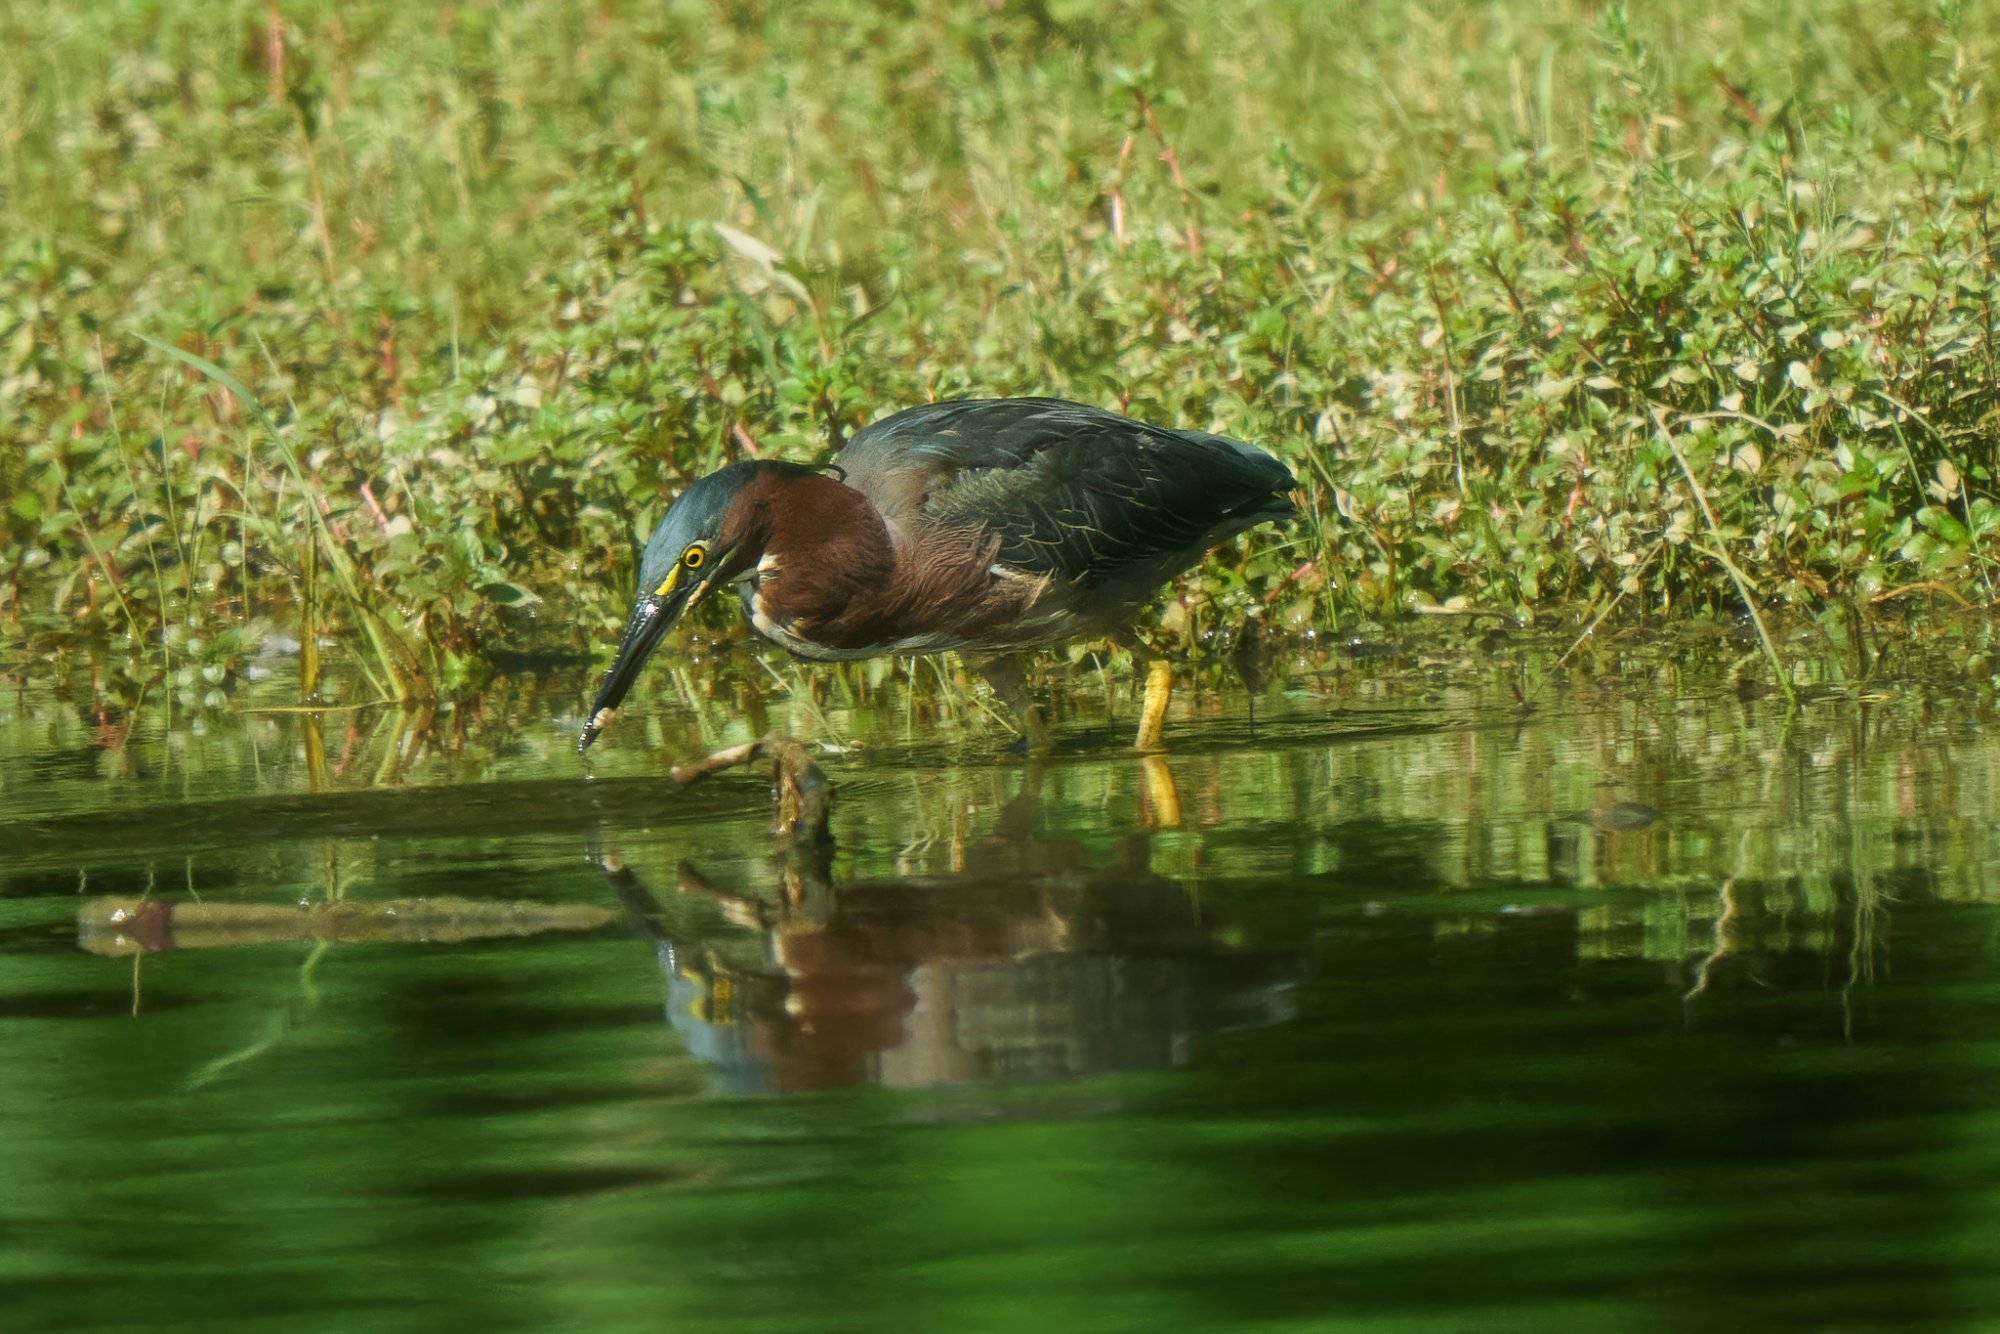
(121, 926)
(149, 926)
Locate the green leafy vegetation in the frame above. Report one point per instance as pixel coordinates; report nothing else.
(399, 324)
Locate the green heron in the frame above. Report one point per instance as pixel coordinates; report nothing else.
(986, 526)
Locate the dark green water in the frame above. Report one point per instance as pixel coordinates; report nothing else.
(1395, 1010)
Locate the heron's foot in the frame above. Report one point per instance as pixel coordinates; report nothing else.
(1037, 738)
(1010, 686)
(1036, 734)
(1153, 713)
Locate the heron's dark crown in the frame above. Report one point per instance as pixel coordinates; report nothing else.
(715, 509)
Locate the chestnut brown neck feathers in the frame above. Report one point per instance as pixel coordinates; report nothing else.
(831, 580)
(824, 559)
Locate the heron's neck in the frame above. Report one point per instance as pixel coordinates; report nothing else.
(828, 563)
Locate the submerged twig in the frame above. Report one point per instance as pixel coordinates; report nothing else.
(1924, 586)
(1724, 943)
(804, 797)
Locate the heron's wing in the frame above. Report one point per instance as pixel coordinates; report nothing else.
(1067, 491)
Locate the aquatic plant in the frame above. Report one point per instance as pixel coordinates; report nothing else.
(398, 329)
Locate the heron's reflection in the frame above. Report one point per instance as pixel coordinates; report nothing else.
(1032, 964)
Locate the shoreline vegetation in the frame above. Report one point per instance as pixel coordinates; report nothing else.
(395, 328)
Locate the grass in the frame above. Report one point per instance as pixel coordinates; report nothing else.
(1556, 309)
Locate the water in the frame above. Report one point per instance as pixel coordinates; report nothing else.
(1390, 1009)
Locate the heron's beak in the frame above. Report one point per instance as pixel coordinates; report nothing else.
(652, 615)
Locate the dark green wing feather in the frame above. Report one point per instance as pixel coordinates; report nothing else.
(1068, 491)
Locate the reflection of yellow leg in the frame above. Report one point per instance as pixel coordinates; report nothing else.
(1163, 800)
(1153, 714)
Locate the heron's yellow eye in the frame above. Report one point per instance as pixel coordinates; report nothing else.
(694, 556)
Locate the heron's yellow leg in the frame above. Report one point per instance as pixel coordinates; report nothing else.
(1153, 713)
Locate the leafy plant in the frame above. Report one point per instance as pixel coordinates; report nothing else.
(1552, 315)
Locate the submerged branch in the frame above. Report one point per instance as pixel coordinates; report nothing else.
(804, 797)
(118, 926)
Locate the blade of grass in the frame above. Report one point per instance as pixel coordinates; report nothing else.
(336, 555)
(1721, 553)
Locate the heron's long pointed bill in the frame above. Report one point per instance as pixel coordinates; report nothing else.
(650, 619)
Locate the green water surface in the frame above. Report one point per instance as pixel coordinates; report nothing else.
(1391, 1007)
